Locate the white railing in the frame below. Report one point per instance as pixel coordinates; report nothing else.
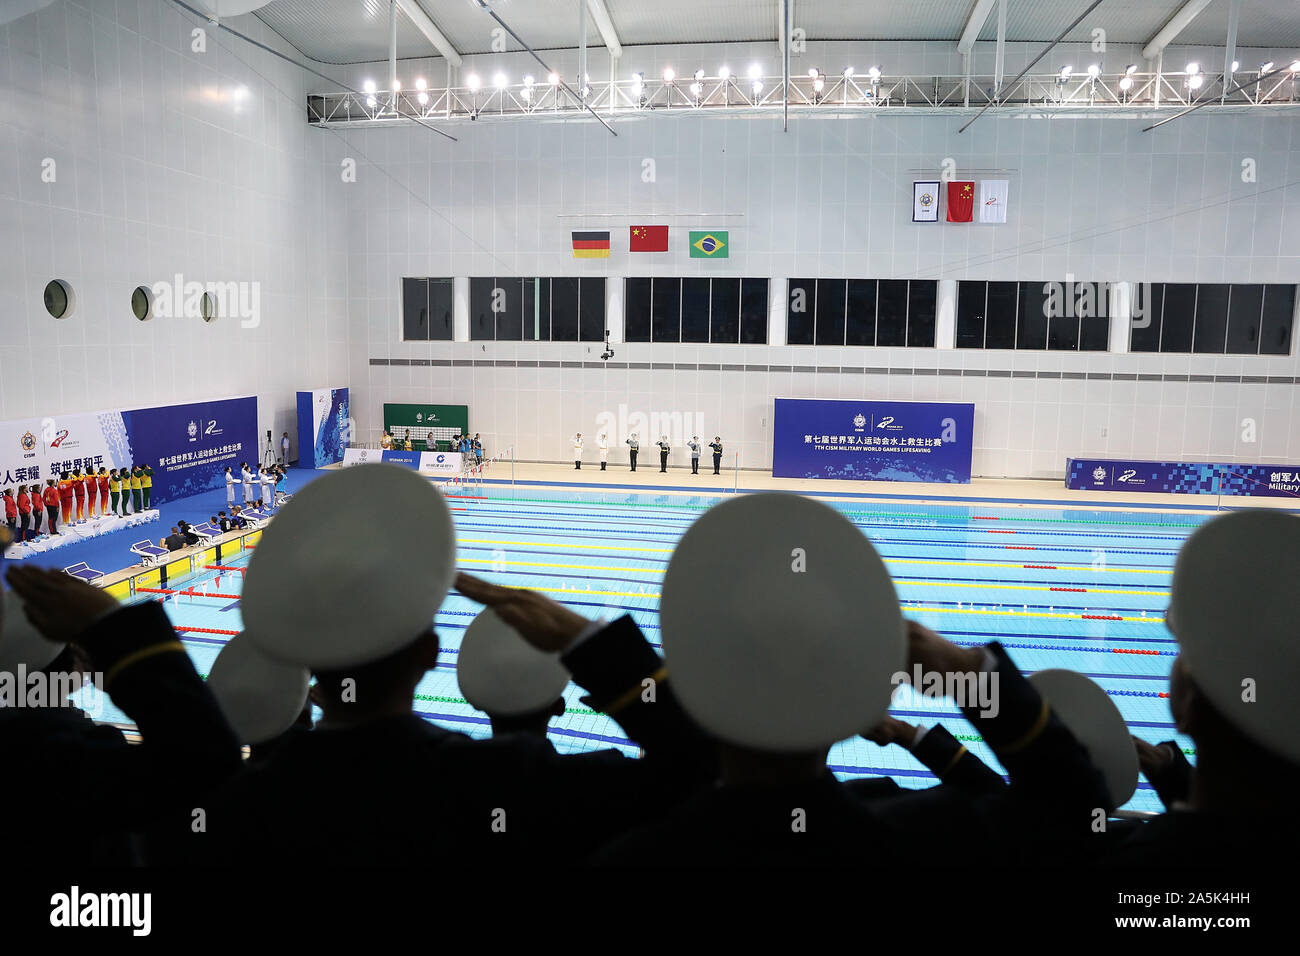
(807, 93)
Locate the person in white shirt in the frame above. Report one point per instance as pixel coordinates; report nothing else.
(577, 451)
(694, 445)
(663, 453)
(603, 443)
(284, 449)
(268, 485)
(231, 481)
(250, 492)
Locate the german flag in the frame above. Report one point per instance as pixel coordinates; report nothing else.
(591, 245)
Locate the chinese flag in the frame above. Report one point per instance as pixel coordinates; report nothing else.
(961, 201)
(648, 239)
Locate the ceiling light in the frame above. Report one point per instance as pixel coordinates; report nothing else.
(499, 81)
(1265, 67)
(1126, 83)
(1066, 71)
(699, 76)
(397, 84)
(370, 101)
(755, 71)
(1235, 67)
(669, 74)
(1195, 81)
(553, 79)
(472, 81)
(695, 89)
(1193, 68)
(1094, 71)
(420, 84)
(423, 97)
(848, 71)
(528, 80)
(368, 86)
(757, 87)
(725, 72)
(874, 72)
(1130, 69)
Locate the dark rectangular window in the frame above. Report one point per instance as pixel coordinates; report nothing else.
(1031, 319)
(800, 310)
(591, 309)
(724, 311)
(1211, 318)
(537, 310)
(1177, 317)
(860, 312)
(636, 310)
(1144, 307)
(1001, 315)
(442, 307)
(510, 319)
(564, 309)
(1094, 332)
(482, 320)
(1245, 310)
(830, 311)
(415, 310)
(922, 297)
(666, 310)
(753, 311)
(891, 312)
(695, 310)
(1279, 311)
(972, 297)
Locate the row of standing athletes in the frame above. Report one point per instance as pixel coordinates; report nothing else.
(78, 496)
(634, 445)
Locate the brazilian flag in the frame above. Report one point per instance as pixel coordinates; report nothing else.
(710, 245)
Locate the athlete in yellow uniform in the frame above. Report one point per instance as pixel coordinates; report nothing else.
(146, 484)
(114, 490)
(136, 474)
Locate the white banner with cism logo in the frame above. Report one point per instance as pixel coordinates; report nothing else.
(925, 202)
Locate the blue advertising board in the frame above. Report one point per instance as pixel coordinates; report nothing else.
(873, 440)
(322, 426)
(1183, 478)
(189, 446)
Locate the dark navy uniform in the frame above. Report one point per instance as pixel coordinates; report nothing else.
(663, 456)
(717, 455)
(695, 456)
(633, 445)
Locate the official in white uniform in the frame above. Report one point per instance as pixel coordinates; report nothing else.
(250, 492)
(268, 486)
(577, 451)
(231, 481)
(603, 443)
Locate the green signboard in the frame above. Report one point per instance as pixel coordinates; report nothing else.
(428, 424)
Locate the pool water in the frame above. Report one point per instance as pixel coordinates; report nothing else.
(1079, 589)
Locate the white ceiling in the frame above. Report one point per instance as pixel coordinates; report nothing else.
(356, 31)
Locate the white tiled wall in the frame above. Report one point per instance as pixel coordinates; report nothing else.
(167, 161)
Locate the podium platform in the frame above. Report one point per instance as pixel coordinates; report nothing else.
(77, 532)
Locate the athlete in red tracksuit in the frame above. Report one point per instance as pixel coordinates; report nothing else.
(79, 491)
(65, 496)
(102, 480)
(11, 513)
(51, 496)
(24, 512)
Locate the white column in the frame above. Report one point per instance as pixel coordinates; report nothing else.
(614, 292)
(460, 309)
(1119, 302)
(945, 315)
(778, 301)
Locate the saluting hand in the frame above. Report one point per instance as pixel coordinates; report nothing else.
(545, 624)
(58, 605)
(936, 653)
(892, 731)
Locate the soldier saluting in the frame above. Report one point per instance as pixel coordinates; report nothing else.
(694, 445)
(716, 445)
(632, 445)
(663, 453)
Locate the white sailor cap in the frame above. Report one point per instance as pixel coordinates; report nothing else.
(781, 626)
(260, 697)
(1234, 610)
(353, 568)
(501, 674)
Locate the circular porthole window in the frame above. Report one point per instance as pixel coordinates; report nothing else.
(142, 303)
(59, 299)
(207, 307)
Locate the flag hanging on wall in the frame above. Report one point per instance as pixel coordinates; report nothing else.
(591, 245)
(993, 200)
(648, 239)
(925, 202)
(710, 245)
(961, 201)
